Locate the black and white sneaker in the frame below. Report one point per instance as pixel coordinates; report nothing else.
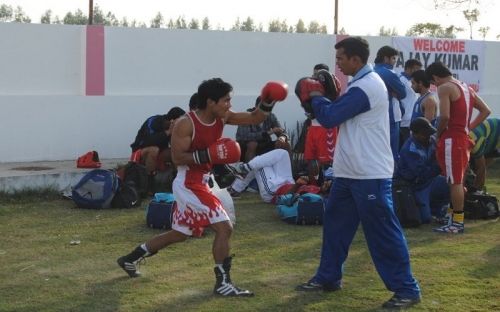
(224, 286)
(130, 263)
(229, 290)
(313, 286)
(239, 169)
(132, 268)
(398, 303)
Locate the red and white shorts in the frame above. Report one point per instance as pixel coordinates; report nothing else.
(196, 207)
(452, 154)
(320, 144)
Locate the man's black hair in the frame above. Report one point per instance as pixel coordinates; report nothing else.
(174, 113)
(420, 77)
(213, 89)
(411, 63)
(437, 69)
(355, 46)
(383, 52)
(193, 101)
(321, 66)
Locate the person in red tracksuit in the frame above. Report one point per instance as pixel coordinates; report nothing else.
(456, 102)
(196, 146)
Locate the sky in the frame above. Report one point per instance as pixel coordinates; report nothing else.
(357, 17)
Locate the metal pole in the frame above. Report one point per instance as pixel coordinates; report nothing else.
(336, 18)
(91, 12)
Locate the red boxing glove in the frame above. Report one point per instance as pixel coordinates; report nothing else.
(272, 92)
(306, 86)
(223, 151)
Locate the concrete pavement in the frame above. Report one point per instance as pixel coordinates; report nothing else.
(59, 175)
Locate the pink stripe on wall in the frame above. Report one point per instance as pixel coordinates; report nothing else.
(343, 78)
(94, 84)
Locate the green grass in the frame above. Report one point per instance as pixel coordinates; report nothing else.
(42, 271)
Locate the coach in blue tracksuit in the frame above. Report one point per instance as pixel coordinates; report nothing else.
(417, 166)
(384, 64)
(362, 191)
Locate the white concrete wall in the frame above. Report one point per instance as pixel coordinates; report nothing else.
(44, 114)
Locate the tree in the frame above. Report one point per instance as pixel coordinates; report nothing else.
(274, 26)
(98, 16)
(124, 22)
(388, 32)
(157, 21)
(237, 25)
(432, 30)
(20, 16)
(278, 26)
(111, 20)
(194, 24)
(284, 26)
(78, 18)
(300, 27)
(471, 17)
(46, 17)
(6, 13)
(248, 25)
(453, 4)
(313, 27)
(180, 23)
(205, 24)
(484, 31)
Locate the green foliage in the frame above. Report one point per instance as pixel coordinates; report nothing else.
(484, 31)
(205, 24)
(76, 18)
(46, 18)
(157, 21)
(433, 30)
(388, 32)
(194, 24)
(6, 13)
(300, 27)
(471, 17)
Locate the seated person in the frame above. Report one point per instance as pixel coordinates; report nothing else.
(417, 166)
(152, 143)
(257, 139)
(486, 148)
(273, 172)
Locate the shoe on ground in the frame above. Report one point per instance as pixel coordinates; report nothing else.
(312, 286)
(239, 169)
(453, 228)
(130, 268)
(442, 220)
(398, 303)
(234, 194)
(230, 290)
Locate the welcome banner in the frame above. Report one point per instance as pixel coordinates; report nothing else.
(464, 58)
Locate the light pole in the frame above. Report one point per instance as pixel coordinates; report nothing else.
(336, 18)
(91, 11)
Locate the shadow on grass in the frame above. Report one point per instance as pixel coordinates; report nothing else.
(491, 267)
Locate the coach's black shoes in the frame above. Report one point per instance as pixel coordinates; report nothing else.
(239, 169)
(129, 263)
(224, 286)
(398, 303)
(313, 286)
